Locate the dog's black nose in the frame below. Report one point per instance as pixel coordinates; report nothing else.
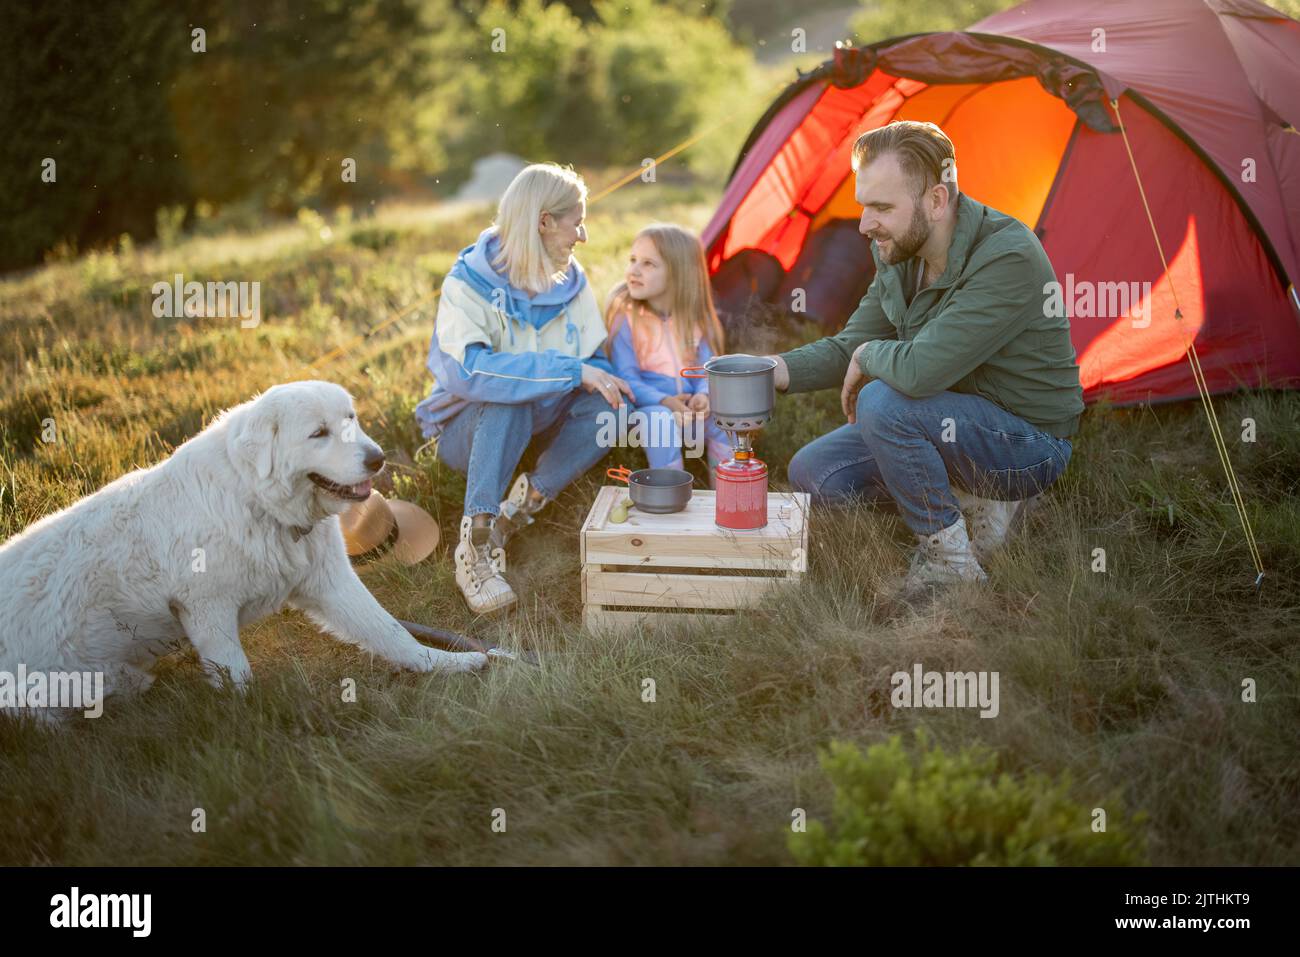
(375, 460)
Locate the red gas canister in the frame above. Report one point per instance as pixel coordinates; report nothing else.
(741, 500)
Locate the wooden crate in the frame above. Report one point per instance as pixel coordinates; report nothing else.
(683, 560)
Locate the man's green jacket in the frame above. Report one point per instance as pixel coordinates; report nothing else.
(983, 328)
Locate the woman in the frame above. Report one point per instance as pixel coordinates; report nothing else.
(515, 356)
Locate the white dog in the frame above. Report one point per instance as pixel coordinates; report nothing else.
(241, 520)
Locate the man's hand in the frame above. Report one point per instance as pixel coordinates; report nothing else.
(699, 403)
(781, 374)
(854, 380)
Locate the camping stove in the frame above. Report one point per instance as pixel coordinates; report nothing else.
(742, 395)
(741, 483)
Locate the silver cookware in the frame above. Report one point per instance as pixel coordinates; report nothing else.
(657, 491)
(742, 390)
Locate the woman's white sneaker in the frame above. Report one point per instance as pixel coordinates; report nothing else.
(479, 570)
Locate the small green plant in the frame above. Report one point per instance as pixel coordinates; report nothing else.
(100, 270)
(896, 808)
(170, 224)
(372, 237)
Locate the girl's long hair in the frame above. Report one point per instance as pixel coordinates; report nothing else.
(690, 300)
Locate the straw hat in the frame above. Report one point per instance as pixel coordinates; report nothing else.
(376, 526)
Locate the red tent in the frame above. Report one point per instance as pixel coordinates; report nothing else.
(1208, 92)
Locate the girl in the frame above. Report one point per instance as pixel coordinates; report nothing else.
(661, 319)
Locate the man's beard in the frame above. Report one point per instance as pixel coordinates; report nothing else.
(906, 246)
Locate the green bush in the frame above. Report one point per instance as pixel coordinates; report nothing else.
(135, 118)
(630, 84)
(82, 84)
(262, 118)
(659, 75)
(893, 808)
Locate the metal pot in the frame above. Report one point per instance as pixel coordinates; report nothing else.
(742, 390)
(657, 491)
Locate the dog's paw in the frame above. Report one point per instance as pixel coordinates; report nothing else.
(238, 682)
(452, 662)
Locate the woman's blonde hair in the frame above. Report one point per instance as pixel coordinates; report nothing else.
(540, 188)
(690, 301)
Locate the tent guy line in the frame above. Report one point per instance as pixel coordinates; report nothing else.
(1197, 372)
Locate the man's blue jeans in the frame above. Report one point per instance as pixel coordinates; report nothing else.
(486, 440)
(910, 450)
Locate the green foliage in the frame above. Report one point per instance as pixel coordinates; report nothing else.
(659, 76)
(752, 20)
(136, 118)
(528, 95)
(895, 808)
(262, 119)
(169, 221)
(534, 80)
(721, 9)
(280, 99)
(82, 83)
(882, 19)
(373, 238)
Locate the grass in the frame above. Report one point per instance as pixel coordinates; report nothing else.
(1128, 681)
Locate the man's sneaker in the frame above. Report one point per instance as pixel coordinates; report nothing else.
(942, 559)
(992, 523)
(517, 512)
(479, 568)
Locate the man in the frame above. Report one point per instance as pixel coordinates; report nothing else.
(956, 382)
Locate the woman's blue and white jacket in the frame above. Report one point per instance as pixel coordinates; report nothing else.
(494, 343)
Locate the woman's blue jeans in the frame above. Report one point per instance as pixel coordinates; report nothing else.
(911, 450)
(486, 440)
